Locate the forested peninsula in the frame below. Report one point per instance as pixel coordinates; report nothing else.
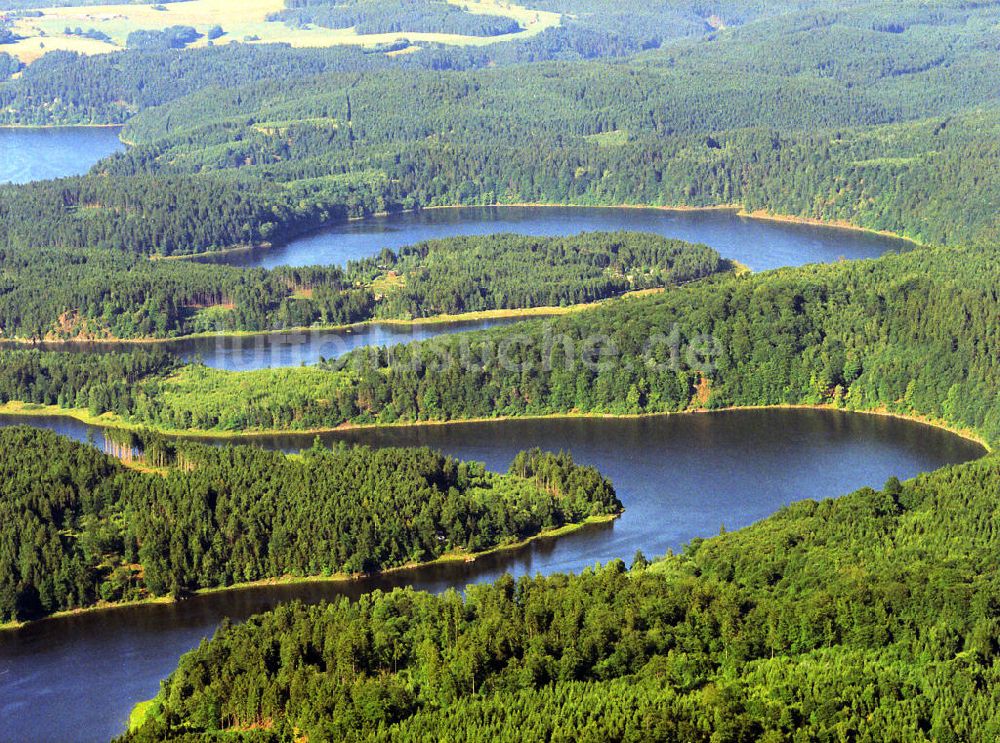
(78, 528)
(51, 294)
(872, 616)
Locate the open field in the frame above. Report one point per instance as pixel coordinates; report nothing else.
(240, 19)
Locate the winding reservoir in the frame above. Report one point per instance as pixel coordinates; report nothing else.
(75, 678)
(56, 152)
(759, 244)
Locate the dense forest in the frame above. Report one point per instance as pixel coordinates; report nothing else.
(174, 37)
(887, 120)
(503, 271)
(394, 16)
(8, 66)
(53, 294)
(70, 88)
(77, 527)
(869, 617)
(934, 181)
(914, 333)
(97, 382)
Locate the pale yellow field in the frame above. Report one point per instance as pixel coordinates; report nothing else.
(239, 19)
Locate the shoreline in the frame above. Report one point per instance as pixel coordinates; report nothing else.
(465, 317)
(739, 210)
(62, 126)
(289, 580)
(38, 410)
(552, 205)
(837, 224)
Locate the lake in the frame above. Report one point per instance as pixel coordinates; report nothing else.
(682, 476)
(759, 244)
(40, 154)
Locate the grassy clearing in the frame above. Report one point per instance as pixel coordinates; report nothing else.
(30, 48)
(242, 20)
(616, 138)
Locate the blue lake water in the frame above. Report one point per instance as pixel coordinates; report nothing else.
(759, 244)
(40, 154)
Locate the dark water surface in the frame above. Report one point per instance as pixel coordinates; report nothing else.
(39, 154)
(683, 476)
(759, 244)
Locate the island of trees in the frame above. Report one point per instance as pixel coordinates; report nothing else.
(394, 16)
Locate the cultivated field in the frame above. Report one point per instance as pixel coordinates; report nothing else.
(242, 20)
